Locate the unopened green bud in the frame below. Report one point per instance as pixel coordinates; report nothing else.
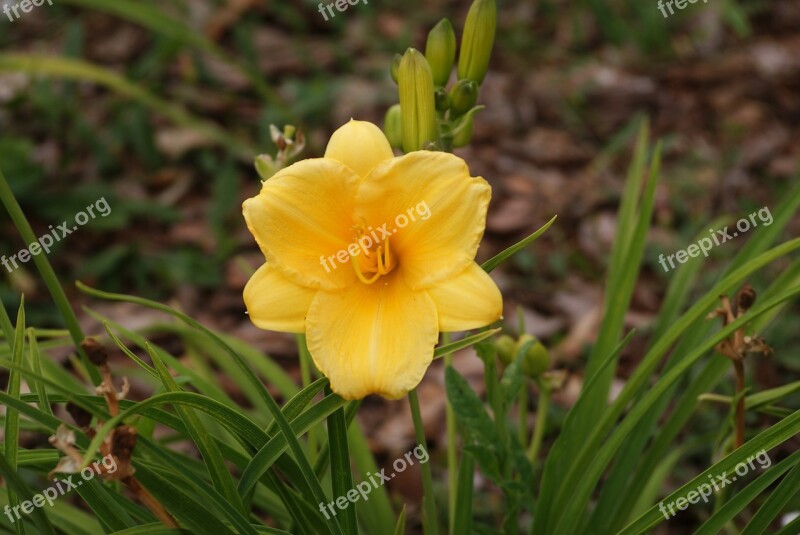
(395, 67)
(462, 129)
(440, 51)
(536, 360)
(266, 166)
(417, 106)
(442, 99)
(477, 41)
(505, 348)
(463, 97)
(392, 127)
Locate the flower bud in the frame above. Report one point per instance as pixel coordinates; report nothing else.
(442, 99)
(265, 166)
(440, 51)
(392, 127)
(417, 107)
(505, 348)
(477, 41)
(395, 67)
(463, 97)
(536, 360)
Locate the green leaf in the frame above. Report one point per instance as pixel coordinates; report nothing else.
(400, 527)
(501, 257)
(17, 486)
(464, 342)
(773, 395)
(379, 512)
(743, 497)
(598, 429)
(11, 428)
(277, 444)
(286, 429)
(470, 410)
(221, 478)
(583, 482)
(766, 440)
(777, 500)
(183, 506)
(36, 364)
(341, 475)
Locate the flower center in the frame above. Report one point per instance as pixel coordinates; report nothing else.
(376, 259)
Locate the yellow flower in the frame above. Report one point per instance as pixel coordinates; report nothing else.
(371, 256)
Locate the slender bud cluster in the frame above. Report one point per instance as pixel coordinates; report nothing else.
(431, 115)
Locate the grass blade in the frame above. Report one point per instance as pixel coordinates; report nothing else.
(501, 257)
(341, 475)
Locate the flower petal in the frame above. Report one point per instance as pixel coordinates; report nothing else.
(372, 339)
(302, 218)
(360, 145)
(274, 302)
(433, 209)
(469, 300)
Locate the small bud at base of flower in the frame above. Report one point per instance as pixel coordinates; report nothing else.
(505, 348)
(392, 127)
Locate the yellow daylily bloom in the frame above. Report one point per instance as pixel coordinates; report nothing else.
(371, 256)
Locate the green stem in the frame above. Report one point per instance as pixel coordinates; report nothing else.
(429, 503)
(48, 275)
(541, 420)
(305, 377)
(452, 455)
(522, 413)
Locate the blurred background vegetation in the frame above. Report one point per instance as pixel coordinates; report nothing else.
(160, 108)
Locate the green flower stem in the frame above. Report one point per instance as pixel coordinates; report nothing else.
(541, 420)
(428, 501)
(48, 275)
(305, 376)
(522, 413)
(452, 455)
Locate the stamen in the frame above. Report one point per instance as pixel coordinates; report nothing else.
(360, 275)
(381, 266)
